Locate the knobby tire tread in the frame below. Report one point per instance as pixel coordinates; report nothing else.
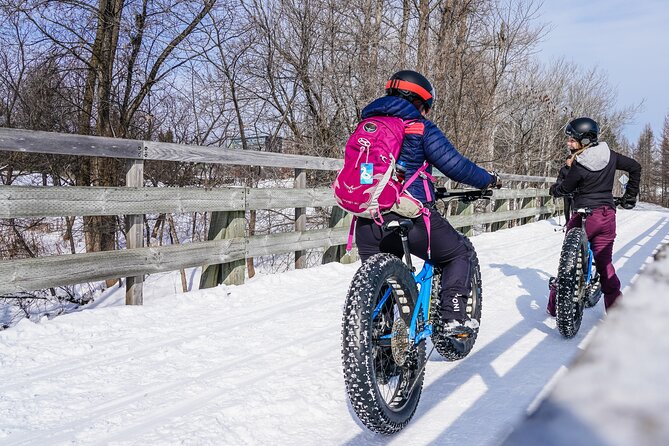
(358, 346)
(570, 296)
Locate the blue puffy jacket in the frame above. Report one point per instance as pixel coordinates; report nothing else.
(432, 146)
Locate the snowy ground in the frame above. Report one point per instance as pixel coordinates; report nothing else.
(260, 363)
(614, 395)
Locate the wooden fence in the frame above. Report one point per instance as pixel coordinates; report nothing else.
(526, 201)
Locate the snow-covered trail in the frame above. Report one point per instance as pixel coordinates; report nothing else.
(260, 363)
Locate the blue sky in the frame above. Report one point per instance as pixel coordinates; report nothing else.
(629, 40)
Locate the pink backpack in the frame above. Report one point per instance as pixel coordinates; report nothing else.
(370, 184)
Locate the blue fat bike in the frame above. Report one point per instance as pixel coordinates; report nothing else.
(577, 283)
(390, 312)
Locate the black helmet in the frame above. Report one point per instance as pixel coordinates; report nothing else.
(411, 85)
(584, 130)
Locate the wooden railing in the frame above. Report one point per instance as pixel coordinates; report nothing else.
(510, 206)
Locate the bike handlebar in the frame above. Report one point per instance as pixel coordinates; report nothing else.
(467, 196)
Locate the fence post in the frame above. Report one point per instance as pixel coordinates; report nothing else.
(134, 286)
(545, 201)
(528, 203)
(500, 206)
(466, 209)
(540, 204)
(339, 218)
(300, 218)
(230, 224)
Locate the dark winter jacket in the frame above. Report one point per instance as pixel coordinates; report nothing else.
(432, 146)
(592, 174)
(568, 200)
(562, 174)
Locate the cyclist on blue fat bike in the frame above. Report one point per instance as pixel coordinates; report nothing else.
(590, 180)
(410, 96)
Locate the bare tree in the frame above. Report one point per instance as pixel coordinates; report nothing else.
(94, 38)
(644, 154)
(664, 162)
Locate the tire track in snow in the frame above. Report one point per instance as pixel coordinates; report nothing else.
(207, 381)
(74, 364)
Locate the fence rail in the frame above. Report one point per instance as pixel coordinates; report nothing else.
(29, 141)
(36, 201)
(134, 201)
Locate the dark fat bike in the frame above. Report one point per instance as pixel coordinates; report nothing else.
(387, 318)
(577, 282)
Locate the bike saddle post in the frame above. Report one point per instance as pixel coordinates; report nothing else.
(402, 227)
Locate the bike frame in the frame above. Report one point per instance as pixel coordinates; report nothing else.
(424, 277)
(590, 258)
(424, 282)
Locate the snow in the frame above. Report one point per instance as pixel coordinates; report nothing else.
(614, 394)
(260, 363)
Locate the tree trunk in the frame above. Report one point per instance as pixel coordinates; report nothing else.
(423, 63)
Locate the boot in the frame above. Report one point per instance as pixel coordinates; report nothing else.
(552, 293)
(609, 300)
(460, 329)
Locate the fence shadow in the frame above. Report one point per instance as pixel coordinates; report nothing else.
(524, 380)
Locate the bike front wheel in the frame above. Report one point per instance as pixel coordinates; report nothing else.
(383, 373)
(571, 283)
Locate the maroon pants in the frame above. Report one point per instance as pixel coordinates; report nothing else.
(601, 230)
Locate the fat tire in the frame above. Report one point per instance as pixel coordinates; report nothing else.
(571, 286)
(593, 292)
(448, 348)
(360, 348)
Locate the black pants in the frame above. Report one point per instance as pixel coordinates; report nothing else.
(449, 251)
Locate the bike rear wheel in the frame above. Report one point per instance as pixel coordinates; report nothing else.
(571, 283)
(449, 348)
(383, 374)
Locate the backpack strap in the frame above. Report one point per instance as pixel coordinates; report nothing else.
(421, 172)
(426, 176)
(351, 231)
(425, 212)
(426, 218)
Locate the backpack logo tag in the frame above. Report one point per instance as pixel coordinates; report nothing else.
(364, 143)
(370, 127)
(366, 173)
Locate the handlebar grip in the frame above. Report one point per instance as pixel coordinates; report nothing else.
(466, 195)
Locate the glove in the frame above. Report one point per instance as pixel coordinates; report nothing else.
(628, 201)
(551, 191)
(495, 182)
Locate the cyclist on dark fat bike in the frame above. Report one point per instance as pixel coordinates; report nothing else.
(590, 181)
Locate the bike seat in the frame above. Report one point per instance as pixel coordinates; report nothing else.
(584, 211)
(401, 225)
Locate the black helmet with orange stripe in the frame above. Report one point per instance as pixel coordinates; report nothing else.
(411, 86)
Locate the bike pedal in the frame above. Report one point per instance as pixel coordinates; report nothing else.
(463, 333)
